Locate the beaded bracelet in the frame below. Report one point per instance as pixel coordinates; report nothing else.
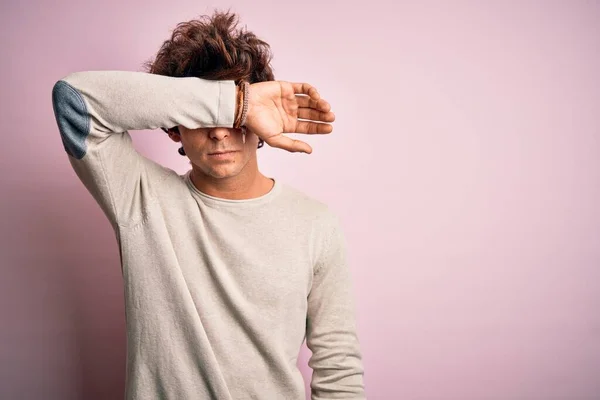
(239, 107)
(246, 100)
(242, 111)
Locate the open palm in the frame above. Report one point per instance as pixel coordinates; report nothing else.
(278, 107)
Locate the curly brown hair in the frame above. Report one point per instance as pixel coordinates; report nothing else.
(212, 47)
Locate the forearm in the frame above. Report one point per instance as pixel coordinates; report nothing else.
(117, 101)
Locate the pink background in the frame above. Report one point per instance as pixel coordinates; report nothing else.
(465, 164)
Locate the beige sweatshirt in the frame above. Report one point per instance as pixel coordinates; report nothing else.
(219, 294)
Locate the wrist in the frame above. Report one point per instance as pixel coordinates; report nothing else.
(238, 106)
(242, 98)
(245, 106)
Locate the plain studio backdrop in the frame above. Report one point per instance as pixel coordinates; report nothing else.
(464, 164)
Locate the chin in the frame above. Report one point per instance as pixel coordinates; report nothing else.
(223, 174)
(221, 171)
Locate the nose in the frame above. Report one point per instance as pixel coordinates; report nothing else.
(219, 133)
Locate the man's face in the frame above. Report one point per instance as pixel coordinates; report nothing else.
(201, 144)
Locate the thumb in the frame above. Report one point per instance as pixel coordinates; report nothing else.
(289, 144)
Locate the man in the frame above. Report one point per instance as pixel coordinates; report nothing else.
(226, 271)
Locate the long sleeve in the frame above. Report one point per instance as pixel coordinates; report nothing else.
(331, 328)
(94, 111)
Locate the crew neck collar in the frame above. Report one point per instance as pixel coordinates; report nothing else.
(231, 202)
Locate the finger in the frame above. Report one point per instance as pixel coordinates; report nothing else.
(312, 128)
(308, 113)
(307, 102)
(306, 88)
(289, 144)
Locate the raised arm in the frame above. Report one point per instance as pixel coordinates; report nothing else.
(95, 109)
(331, 328)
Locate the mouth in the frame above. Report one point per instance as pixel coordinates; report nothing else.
(222, 155)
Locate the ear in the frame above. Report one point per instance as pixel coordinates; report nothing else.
(174, 136)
